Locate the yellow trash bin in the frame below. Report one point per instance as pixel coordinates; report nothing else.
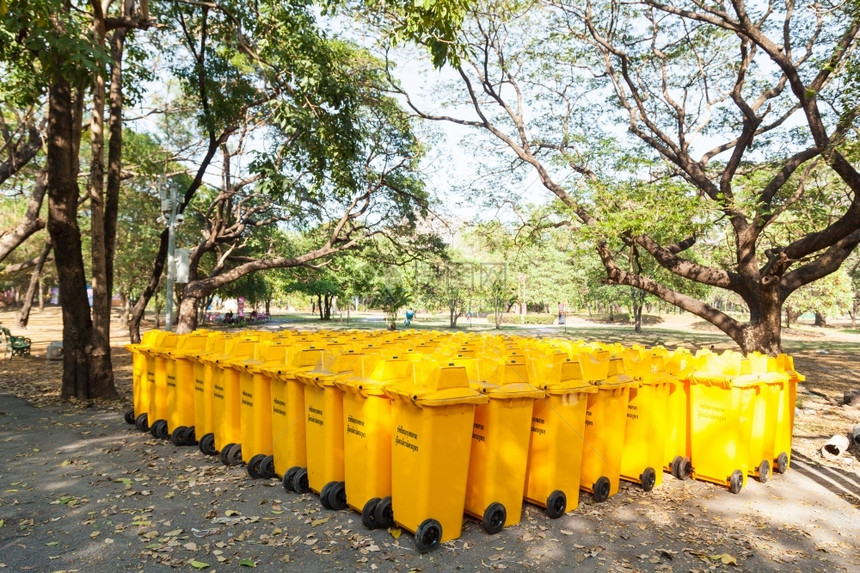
(678, 364)
(499, 454)
(557, 436)
(722, 407)
(605, 424)
(256, 406)
(161, 365)
(143, 378)
(431, 443)
(180, 388)
(324, 426)
(785, 413)
(204, 426)
(647, 416)
(367, 437)
(289, 446)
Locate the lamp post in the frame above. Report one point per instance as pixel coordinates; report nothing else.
(171, 218)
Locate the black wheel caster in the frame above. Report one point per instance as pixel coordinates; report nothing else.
(300, 481)
(207, 445)
(324, 495)
(781, 463)
(234, 455)
(337, 495)
(764, 471)
(159, 430)
(177, 437)
(648, 479)
(223, 455)
(556, 503)
(189, 438)
(681, 467)
(288, 478)
(601, 489)
(254, 466)
(267, 467)
(142, 422)
(428, 535)
(384, 513)
(368, 519)
(494, 518)
(129, 417)
(736, 481)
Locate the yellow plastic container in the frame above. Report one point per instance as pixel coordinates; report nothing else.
(204, 425)
(367, 437)
(324, 426)
(764, 429)
(160, 364)
(180, 388)
(785, 414)
(557, 437)
(143, 380)
(255, 409)
(501, 433)
(722, 408)
(226, 401)
(430, 453)
(676, 458)
(605, 425)
(647, 415)
(289, 446)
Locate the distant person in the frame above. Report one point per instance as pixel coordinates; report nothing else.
(228, 318)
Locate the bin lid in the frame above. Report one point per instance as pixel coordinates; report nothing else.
(381, 374)
(332, 365)
(442, 386)
(507, 391)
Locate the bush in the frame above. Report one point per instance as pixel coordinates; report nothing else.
(511, 318)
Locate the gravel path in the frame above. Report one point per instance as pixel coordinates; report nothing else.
(80, 488)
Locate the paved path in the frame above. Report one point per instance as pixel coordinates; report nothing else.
(81, 490)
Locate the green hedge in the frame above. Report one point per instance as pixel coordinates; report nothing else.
(511, 318)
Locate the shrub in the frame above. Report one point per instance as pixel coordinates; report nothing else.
(511, 318)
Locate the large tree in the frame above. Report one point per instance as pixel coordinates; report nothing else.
(740, 103)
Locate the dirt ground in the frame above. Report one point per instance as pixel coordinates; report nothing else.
(79, 488)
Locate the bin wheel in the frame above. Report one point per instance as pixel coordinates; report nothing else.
(177, 437)
(556, 503)
(337, 495)
(736, 481)
(494, 518)
(234, 455)
(601, 489)
(159, 429)
(223, 454)
(764, 471)
(254, 466)
(648, 479)
(189, 438)
(142, 422)
(267, 467)
(368, 519)
(207, 445)
(324, 500)
(383, 513)
(300, 481)
(288, 478)
(129, 417)
(781, 463)
(428, 535)
(681, 467)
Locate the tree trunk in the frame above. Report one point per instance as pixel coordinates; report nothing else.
(35, 281)
(139, 310)
(320, 306)
(187, 315)
(101, 369)
(820, 319)
(63, 228)
(638, 298)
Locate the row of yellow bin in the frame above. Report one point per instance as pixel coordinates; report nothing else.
(436, 424)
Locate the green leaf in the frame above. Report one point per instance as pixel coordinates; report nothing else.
(247, 563)
(199, 565)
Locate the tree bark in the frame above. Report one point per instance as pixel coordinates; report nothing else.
(65, 234)
(35, 281)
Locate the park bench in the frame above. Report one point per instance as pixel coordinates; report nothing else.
(14, 345)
